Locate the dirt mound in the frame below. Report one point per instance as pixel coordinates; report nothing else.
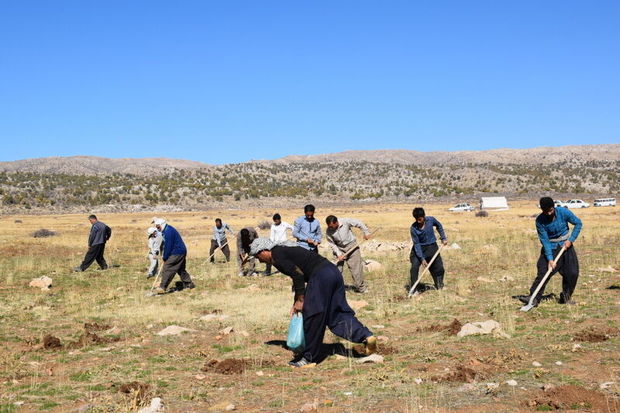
(386, 349)
(461, 374)
(51, 343)
(573, 397)
(453, 328)
(227, 366)
(594, 335)
(90, 327)
(139, 390)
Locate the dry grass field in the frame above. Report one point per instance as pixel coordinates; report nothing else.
(107, 326)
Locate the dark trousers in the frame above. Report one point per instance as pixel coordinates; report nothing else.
(325, 305)
(94, 253)
(175, 264)
(567, 266)
(225, 250)
(437, 271)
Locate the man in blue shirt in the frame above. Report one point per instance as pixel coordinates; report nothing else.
(307, 230)
(553, 233)
(173, 256)
(425, 246)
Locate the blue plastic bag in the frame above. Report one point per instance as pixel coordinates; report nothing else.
(296, 340)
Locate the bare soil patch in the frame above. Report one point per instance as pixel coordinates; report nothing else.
(453, 328)
(226, 366)
(140, 391)
(461, 374)
(90, 327)
(51, 343)
(596, 335)
(574, 397)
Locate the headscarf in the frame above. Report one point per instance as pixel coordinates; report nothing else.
(262, 244)
(161, 222)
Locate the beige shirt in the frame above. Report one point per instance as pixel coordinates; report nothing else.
(341, 237)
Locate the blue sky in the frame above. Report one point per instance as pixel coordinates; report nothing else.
(229, 81)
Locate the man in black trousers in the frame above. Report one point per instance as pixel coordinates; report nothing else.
(99, 234)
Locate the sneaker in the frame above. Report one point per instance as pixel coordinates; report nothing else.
(159, 291)
(78, 269)
(189, 285)
(302, 363)
(241, 274)
(370, 345)
(149, 276)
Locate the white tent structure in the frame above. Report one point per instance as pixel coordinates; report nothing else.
(497, 203)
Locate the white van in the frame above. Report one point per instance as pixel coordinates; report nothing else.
(605, 202)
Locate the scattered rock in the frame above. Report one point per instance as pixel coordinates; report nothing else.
(260, 373)
(371, 265)
(576, 347)
(223, 406)
(156, 406)
(606, 385)
(310, 407)
(484, 327)
(211, 317)
(373, 358)
(357, 305)
(226, 331)
(231, 407)
(536, 364)
(378, 326)
(558, 363)
(506, 278)
(44, 283)
(174, 330)
(511, 382)
(485, 280)
(609, 268)
(200, 377)
(453, 246)
(417, 380)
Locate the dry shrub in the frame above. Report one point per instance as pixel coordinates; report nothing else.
(43, 233)
(482, 214)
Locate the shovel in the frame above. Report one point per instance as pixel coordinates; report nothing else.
(530, 304)
(150, 293)
(427, 268)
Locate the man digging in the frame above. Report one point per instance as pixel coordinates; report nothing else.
(554, 234)
(346, 249)
(425, 246)
(174, 257)
(100, 233)
(219, 240)
(319, 296)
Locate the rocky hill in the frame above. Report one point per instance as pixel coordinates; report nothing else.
(89, 183)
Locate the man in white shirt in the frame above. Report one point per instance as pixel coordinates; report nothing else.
(278, 234)
(345, 247)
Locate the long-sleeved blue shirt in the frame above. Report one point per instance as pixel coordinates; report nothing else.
(173, 243)
(425, 235)
(304, 229)
(555, 227)
(219, 234)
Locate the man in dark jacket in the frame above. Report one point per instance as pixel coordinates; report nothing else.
(99, 234)
(173, 256)
(425, 246)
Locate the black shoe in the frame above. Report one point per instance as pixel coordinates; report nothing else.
(525, 299)
(189, 285)
(565, 299)
(149, 276)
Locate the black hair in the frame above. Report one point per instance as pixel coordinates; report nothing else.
(546, 202)
(245, 240)
(277, 216)
(331, 219)
(309, 208)
(217, 220)
(92, 217)
(418, 212)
